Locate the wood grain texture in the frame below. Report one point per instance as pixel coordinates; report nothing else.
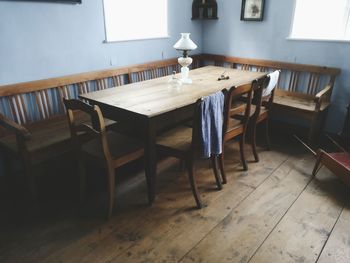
(302, 233)
(248, 212)
(237, 237)
(170, 218)
(154, 97)
(337, 249)
(272, 64)
(25, 87)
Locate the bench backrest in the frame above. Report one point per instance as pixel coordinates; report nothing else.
(30, 102)
(296, 78)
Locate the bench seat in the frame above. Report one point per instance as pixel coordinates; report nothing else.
(48, 139)
(304, 104)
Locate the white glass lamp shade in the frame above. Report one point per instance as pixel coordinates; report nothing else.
(185, 43)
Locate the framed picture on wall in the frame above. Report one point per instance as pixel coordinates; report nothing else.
(252, 10)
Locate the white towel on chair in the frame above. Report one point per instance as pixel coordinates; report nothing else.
(272, 84)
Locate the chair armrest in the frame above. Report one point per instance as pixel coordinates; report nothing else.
(322, 96)
(14, 127)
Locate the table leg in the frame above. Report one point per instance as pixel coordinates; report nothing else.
(150, 160)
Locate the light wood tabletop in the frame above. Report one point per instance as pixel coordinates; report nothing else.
(151, 105)
(156, 96)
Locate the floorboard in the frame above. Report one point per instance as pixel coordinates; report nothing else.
(274, 212)
(239, 234)
(337, 249)
(303, 231)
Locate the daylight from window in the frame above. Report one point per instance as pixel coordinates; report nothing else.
(135, 19)
(321, 20)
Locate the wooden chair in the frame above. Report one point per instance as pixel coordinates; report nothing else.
(33, 145)
(183, 142)
(234, 127)
(261, 108)
(110, 149)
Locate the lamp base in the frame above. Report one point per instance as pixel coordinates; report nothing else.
(186, 81)
(184, 75)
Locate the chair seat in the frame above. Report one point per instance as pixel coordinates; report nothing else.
(119, 145)
(305, 104)
(234, 124)
(262, 115)
(179, 138)
(49, 138)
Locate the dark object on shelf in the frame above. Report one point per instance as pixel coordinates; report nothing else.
(55, 1)
(252, 10)
(204, 9)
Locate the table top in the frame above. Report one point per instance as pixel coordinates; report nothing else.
(156, 96)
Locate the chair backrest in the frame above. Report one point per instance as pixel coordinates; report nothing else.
(196, 125)
(259, 99)
(234, 106)
(272, 83)
(95, 128)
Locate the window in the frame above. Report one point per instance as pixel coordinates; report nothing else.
(135, 19)
(321, 20)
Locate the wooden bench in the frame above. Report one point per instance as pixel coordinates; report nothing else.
(303, 90)
(33, 124)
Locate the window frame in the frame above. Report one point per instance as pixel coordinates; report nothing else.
(106, 41)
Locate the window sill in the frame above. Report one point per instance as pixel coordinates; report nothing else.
(135, 39)
(318, 40)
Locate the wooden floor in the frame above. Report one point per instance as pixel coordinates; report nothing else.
(275, 212)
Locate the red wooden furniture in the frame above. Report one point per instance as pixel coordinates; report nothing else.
(338, 163)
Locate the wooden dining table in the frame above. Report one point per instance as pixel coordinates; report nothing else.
(151, 105)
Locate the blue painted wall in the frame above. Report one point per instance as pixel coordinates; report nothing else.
(41, 40)
(267, 40)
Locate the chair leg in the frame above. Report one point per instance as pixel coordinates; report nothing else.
(216, 171)
(190, 168)
(267, 135)
(253, 139)
(222, 170)
(316, 127)
(7, 166)
(110, 189)
(241, 149)
(29, 177)
(317, 164)
(82, 179)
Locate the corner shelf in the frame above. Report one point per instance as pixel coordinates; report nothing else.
(204, 10)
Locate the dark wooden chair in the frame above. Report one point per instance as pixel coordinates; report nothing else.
(110, 149)
(261, 108)
(33, 145)
(183, 142)
(236, 118)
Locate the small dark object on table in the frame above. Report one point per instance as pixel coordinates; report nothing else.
(223, 77)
